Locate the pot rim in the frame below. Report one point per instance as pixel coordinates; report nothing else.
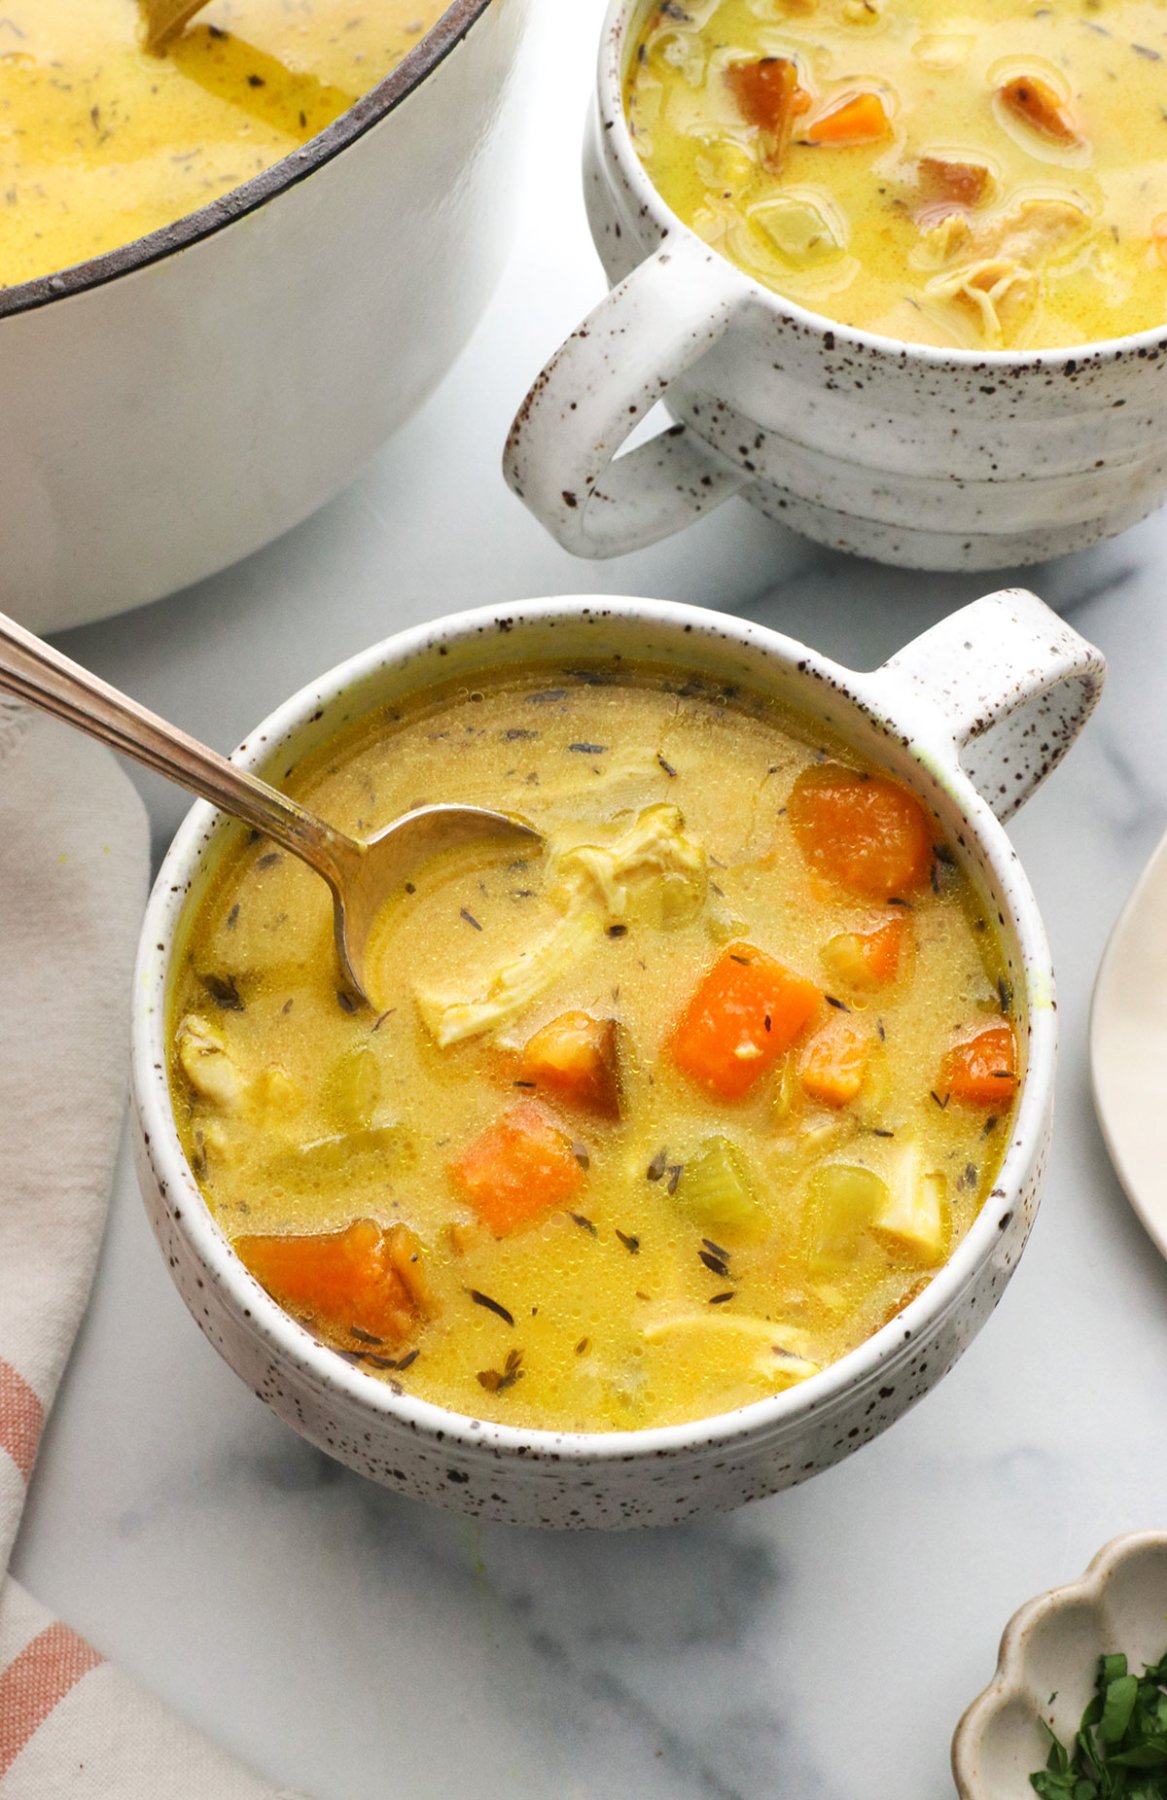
(617, 139)
(986, 844)
(432, 49)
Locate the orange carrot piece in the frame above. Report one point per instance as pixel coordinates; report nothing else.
(362, 1279)
(834, 1062)
(767, 94)
(982, 1070)
(862, 831)
(578, 1058)
(517, 1168)
(745, 1013)
(869, 959)
(1041, 107)
(952, 183)
(857, 119)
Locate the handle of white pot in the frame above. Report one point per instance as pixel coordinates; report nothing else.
(1008, 686)
(562, 456)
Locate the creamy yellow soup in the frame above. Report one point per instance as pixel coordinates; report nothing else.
(648, 1126)
(101, 142)
(989, 174)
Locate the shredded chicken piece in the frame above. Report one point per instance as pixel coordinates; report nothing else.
(778, 1351)
(999, 274)
(652, 865)
(207, 1063)
(988, 286)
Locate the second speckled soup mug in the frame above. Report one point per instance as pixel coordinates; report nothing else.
(928, 458)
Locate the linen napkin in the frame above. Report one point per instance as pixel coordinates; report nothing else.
(73, 872)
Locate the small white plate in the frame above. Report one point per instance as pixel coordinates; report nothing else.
(1128, 1047)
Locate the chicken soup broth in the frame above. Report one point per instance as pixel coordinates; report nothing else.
(987, 174)
(101, 142)
(641, 1128)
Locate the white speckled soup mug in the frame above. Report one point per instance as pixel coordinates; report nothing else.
(972, 715)
(929, 458)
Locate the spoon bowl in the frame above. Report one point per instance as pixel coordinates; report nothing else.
(363, 873)
(383, 864)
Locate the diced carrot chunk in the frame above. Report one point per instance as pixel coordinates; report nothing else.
(768, 95)
(862, 831)
(869, 959)
(745, 1013)
(857, 119)
(834, 1062)
(1039, 106)
(955, 183)
(362, 1279)
(517, 1168)
(577, 1057)
(983, 1069)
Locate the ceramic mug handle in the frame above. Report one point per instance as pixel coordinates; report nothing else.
(562, 455)
(1009, 686)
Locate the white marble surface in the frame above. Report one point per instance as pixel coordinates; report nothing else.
(817, 1646)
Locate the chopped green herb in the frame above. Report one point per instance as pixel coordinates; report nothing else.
(1120, 1749)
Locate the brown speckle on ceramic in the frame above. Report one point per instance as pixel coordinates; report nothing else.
(1007, 705)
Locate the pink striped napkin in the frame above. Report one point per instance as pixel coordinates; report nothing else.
(73, 869)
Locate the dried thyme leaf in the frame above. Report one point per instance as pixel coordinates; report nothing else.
(496, 1381)
(493, 1306)
(224, 992)
(630, 1243)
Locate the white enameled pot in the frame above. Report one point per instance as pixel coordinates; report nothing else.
(181, 401)
(973, 715)
(929, 458)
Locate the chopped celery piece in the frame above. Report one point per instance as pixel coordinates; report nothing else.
(915, 1217)
(350, 1161)
(715, 1191)
(843, 1202)
(799, 231)
(352, 1088)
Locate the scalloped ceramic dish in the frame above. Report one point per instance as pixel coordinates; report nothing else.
(1048, 1661)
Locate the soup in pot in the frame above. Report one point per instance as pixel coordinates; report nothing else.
(101, 142)
(645, 1127)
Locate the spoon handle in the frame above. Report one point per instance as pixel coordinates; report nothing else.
(33, 671)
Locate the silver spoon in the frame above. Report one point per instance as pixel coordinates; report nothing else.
(363, 873)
